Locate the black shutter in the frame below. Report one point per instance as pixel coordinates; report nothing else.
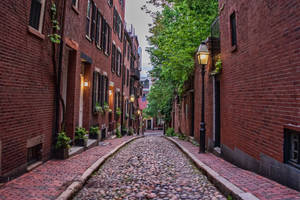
(98, 27)
(106, 89)
(99, 88)
(103, 25)
(94, 91)
(115, 105)
(35, 13)
(120, 64)
(115, 20)
(101, 94)
(93, 21)
(113, 60)
(108, 39)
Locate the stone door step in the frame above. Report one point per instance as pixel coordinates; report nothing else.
(75, 150)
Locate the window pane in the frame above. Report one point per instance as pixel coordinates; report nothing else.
(35, 13)
(233, 29)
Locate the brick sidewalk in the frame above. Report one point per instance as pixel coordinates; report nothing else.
(259, 186)
(53, 177)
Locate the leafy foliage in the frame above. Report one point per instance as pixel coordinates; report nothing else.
(218, 68)
(54, 37)
(176, 33)
(80, 133)
(63, 141)
(94, 130)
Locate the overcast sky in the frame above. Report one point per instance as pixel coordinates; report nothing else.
(140, 20)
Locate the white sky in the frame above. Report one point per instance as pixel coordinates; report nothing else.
(140, 20)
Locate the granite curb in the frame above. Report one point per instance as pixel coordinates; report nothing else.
(224, 185)
(76, 185)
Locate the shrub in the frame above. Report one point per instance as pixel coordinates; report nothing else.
(131, 131)
(80, 133)
(170, 132)
(98, 108)
(118, 111)
(63, 141)
(94, 130)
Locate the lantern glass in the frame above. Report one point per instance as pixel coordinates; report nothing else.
(132, 98)
(203, 54)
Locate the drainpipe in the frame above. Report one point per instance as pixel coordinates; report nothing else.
(58, 97)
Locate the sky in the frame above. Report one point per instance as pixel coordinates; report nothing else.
(140, 20)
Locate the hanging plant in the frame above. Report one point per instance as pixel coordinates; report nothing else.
(54, 37)
(218, 68)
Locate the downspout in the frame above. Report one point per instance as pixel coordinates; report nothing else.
(58, 97)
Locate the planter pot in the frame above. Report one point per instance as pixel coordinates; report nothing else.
(62, 153)
(95, 136)
(81, 142)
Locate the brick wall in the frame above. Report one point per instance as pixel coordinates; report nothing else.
(260, 81)
(26, 85)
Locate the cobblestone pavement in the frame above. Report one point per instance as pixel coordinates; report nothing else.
(149, 168)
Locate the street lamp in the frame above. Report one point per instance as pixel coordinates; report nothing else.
(202, 55)
(132, 98)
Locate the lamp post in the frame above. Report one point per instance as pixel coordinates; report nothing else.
(202, 55)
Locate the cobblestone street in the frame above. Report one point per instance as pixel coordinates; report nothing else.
(149, 168)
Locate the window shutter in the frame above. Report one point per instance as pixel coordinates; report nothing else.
(35, 13)
(94, 91)
(115, 20)
(103, 26)
(97, 27)
(93, 21)
(115, 105)
(108, 40)
(101, 88)
(106, 89)
(120, 65)
(113, 60)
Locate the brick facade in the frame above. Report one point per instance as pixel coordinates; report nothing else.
(259, 88)
(27, 79)
(26, 86)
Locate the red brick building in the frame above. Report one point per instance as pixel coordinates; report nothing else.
(252, 108)
(44, 91)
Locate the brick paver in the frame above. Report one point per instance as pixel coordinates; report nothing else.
(53, 177)
(259, 186)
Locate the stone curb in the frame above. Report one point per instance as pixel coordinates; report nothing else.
(224, 185)
(78, 184)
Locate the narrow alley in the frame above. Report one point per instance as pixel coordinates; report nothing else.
(149, 168)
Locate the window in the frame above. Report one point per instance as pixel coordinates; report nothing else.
(233, 29)
(123, 75)
(117, 103)
(105, 37)
(98, 29)
(34, 154)
(118, 26)
(97, 83)
(110, 2)
(292, 147)
(88, 19)
(37, 14)
(127, 77)
(119, 63)
(75, 3)
(113, 58)
(122, 3)
(126, 108)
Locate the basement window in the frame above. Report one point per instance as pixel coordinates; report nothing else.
(34, 154)
(292, 147)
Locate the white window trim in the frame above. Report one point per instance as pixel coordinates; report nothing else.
(40, 29)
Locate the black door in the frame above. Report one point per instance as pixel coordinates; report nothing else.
(149, 124)
(192, 112)
(217, 114)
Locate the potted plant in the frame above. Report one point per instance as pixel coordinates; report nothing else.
(80, 137)
(118, 132)
(106, 107)
(98, 108)
(62, 146)
(94, 133)
(118, 111)
(131, 131)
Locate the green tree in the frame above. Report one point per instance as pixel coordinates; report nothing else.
(176, 33)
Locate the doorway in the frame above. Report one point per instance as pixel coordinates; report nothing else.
(217, 121)
(81, 103)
